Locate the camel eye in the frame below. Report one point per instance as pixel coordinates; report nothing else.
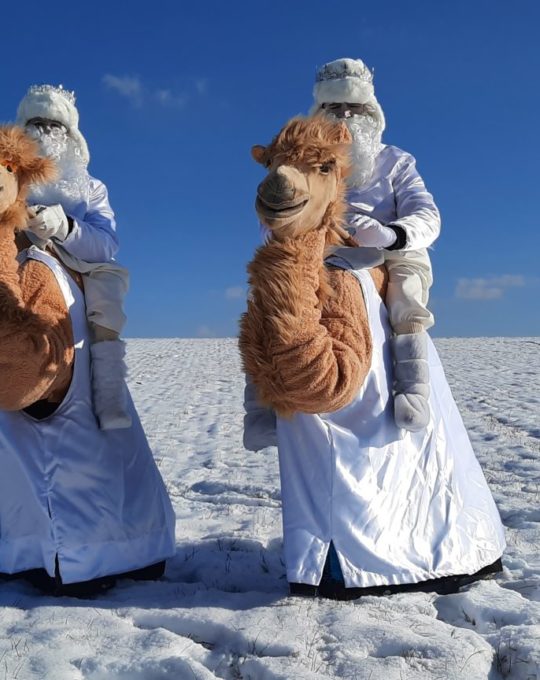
(325, 168)
(9, 166)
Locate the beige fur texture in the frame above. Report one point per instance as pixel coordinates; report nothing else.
(305, 338)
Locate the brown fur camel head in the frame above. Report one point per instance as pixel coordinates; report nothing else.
(20, 166)
(305, 188)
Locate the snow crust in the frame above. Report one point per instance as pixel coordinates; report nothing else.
(223, 609)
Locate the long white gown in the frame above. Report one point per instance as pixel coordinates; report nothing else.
(92, 499)
(399, 507)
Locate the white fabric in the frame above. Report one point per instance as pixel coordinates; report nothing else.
(399, 507)
(48, 222)
(95, 499)
(93, 235)
(105, 287)
(396, 194)
(89, 249)
(409, 281)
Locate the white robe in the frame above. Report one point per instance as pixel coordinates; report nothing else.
(92, 498)
(399, 507)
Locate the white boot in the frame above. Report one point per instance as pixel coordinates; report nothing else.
(411, 381)
(259, 421)
(108, 384)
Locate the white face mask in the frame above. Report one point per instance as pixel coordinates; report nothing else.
(72, 185)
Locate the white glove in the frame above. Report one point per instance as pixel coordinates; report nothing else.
(369, 232)
(48, 222)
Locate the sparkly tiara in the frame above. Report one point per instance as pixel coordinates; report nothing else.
(50, 89)
(344, 69)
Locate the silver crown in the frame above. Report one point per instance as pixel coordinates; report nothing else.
(47, 89)
(336, 70)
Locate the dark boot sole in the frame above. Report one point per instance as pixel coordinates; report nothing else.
(336, 590)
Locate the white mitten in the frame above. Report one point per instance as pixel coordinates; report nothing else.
(48, 222)
(108, 384)
(369, 232)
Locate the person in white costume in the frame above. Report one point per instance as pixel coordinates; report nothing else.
(72, 215)
(79, 506)
(368, 507)
(390, 209)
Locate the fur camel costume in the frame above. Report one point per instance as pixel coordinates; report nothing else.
(36, 341)
(305, 339)
(367, 508)
(79, 507)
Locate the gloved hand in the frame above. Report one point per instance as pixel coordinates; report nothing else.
(48, 222)
(369, 232)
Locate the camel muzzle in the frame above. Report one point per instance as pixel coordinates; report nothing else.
(279, 195)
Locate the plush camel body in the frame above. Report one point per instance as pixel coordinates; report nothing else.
(36, 340)
(305, 339)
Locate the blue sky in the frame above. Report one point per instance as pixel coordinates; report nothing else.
(172, 95)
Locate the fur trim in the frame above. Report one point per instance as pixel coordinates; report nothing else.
(351, 90)
(53, 105)
(312, 140)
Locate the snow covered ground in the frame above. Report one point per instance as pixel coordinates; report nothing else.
(223, 610)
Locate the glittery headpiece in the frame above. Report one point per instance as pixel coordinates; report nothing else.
(49, 89)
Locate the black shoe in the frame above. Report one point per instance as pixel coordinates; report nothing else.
(303, 589)
(151, 573)
(333, 589)
(54, 586)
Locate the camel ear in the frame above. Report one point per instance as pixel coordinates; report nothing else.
(257, 153)
(38, 171)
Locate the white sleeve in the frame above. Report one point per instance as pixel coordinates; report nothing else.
(94, 238)
(416, 211)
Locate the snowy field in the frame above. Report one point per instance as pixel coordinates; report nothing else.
(223, 610)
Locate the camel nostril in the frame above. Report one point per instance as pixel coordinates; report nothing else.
(276, 189)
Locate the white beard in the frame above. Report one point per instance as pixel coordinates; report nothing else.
(72, 186)
(365, 147)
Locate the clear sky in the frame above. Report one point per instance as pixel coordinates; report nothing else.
(173, 94)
